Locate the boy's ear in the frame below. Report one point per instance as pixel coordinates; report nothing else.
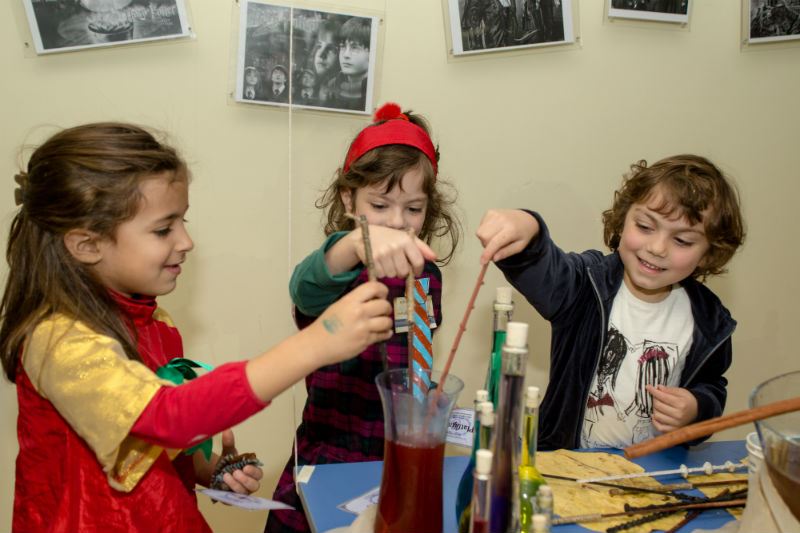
(84, 246)
(347, 199)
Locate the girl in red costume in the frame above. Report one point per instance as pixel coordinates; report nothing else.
(99, 234)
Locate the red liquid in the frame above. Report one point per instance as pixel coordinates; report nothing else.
(480, 526)
(411, 490)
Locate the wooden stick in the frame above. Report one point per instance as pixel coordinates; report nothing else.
(362, 222)
(646, 510)
(707, 427)
(463, 326)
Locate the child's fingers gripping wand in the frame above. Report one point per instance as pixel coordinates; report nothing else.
(362, 222)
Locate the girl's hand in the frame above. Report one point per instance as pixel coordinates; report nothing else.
(362, 317)
(673, 407)
(395, 253)
(246, 480)
(505, 232)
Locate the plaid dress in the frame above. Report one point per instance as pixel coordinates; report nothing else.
(343, 415)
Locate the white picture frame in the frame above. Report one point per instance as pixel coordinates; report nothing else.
(68, 25)
(332, 67)
(772, 20)
(676, 11)
(478, 26)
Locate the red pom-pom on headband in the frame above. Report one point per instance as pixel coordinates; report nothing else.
(396, 129)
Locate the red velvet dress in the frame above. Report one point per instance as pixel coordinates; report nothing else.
(62, 487)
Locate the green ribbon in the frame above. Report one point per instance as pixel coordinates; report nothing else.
(177, 371)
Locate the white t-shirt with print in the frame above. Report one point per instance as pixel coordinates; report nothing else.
(646, 344)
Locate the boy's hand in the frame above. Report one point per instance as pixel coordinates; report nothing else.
(673, 407)
(505, 232)
(246, 480)
(395, 253)
(362, 317)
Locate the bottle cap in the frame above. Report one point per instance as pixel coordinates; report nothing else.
(532, 396)
(517, 335)
(539, 522)
(545, 491)
(481, 395)
(502, 299)
(483, 462)
(486, 407)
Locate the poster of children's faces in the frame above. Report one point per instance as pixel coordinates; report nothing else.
(65, 25)
(300, 57)
(490, 25)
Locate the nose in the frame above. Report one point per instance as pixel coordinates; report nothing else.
(184, 243)
(395, 219)
(657, 245)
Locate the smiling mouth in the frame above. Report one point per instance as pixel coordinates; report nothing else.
(650, 266)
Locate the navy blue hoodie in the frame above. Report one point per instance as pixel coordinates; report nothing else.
(574, 292)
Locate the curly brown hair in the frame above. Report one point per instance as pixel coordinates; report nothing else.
(388, 164)
(690, 185)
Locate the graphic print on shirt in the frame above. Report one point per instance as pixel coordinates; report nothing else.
(619, 397)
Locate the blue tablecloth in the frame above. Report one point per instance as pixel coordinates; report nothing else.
(332, 485)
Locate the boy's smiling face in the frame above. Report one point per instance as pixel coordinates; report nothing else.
(659, 250)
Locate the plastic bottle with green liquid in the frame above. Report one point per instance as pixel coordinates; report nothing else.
(503, 307)
(529, 477)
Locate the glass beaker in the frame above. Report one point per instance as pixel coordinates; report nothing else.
(414, 436)
(780, 437)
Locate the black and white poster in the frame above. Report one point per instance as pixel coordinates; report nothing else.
(332, 64)
(774, 20)
(64, 25)
(490, 25)
(657, 10)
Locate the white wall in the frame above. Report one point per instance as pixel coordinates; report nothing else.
(550, 129)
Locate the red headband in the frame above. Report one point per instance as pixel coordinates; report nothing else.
(396, 130)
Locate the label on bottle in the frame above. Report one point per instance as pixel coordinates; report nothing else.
(461, 429)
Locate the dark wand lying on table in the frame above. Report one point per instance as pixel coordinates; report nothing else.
(620, 489)
(362, 223)
(650, 509)
(686, 486)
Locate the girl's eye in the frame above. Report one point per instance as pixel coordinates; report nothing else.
(642, 227)
(163, 232)
(415, 210)
(683, 243)
(378, 206)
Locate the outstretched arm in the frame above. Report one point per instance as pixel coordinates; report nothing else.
(505, 232)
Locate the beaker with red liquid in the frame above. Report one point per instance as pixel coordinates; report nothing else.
(415, 428)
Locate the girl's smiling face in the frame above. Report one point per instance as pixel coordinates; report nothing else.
(405, 206)
(145, 255)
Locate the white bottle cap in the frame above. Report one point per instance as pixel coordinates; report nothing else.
(483, 462)
(481, 395)
(539, 522)
(486, 407)
(502, 296)
(545, 490)
(517, 335)
(532, 397)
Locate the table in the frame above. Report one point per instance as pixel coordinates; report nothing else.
(331, 485)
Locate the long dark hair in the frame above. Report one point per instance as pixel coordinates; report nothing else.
(83, 177)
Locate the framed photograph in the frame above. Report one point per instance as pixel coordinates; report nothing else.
(658, 10)
(332, 64)
(489, 25)
(65, 25)
(773, 20)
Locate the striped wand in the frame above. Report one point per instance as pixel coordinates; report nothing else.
(420, 358)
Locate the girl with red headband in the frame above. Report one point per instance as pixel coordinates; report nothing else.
(389, 175)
